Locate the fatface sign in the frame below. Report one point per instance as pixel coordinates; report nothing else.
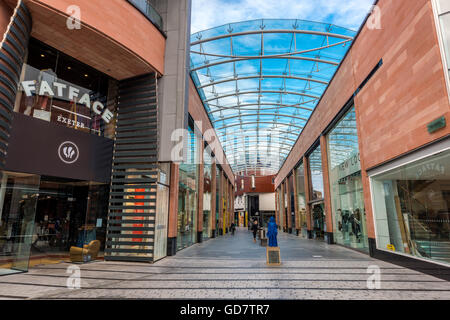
(64, 91)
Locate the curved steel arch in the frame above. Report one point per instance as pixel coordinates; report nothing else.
(275, 105)
(294, 31)
(255, 136)
(258, 122)
(290, 77)
(261, 92)
(280, 55)
(260, 114)
(264, 57)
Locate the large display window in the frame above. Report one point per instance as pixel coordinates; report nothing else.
(347, 198)
(188, 194)
(301, 199)
(47, 220)
(318, 221)
(59, 89)
(412, 208)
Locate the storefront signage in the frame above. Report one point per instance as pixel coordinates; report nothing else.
(430, 169)
(68, 152)
(436, 125)
(93, 153)
(65, 91)
(349, 166)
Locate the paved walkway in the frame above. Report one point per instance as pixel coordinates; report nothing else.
(232, 267)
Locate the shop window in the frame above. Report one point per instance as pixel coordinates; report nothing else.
(347, 198)
(59, 89)
(412, 208)
(188, 194)
(317, 193)
(315, 166)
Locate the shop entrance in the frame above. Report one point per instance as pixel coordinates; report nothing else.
(69, 213)
(318, 220)
(47, 220)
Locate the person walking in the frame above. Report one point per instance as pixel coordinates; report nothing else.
(272, 232)
(233, 228)
(254, 229)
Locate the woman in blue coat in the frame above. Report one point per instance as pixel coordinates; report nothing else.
(272, 232)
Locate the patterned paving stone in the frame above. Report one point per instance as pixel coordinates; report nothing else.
(232, 267)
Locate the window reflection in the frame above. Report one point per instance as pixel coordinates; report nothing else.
(347, 199)
(412, 208)
(187, 195)
(57, 88)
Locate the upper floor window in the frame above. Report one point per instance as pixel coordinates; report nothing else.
(442, 8)
(57, 88)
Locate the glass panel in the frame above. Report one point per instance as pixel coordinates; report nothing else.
(412, 208)
(315, 165)
(18, 197)
(347, 198)
(187, 196)
(274, 94)
(162, 214)
(301, 199)
(317, 193)
(97, 215)
(57, 88)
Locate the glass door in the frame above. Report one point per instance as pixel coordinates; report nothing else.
(318, 221)
(18, 198)
(162, 213)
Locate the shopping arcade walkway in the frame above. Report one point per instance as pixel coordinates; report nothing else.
(232, 267)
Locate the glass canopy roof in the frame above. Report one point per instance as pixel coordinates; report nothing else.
(260, 80)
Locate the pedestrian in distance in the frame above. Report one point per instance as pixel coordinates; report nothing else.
(233, 228)
(254, 229)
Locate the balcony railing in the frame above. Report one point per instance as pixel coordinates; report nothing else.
(147, 10)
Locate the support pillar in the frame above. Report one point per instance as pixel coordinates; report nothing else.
(221, 203)
(296, 213)
(201, 186)
(308, 196)
(326, 187)
(289, 207)
(213, 199)
(172, 231)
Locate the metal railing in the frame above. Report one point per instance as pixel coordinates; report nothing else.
(145, 7)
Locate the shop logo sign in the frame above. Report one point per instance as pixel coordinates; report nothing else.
(68, 152)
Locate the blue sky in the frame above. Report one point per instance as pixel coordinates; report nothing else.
(212, 13)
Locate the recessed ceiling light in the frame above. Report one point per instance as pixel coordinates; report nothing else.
(70, 68)
(86, 75)
(43, 55)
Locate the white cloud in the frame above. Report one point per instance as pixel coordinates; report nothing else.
(208, 14)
